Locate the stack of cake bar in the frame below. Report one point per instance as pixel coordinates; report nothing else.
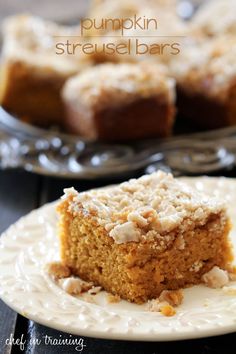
(123, 97)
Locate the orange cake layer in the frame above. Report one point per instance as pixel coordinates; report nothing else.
(32, 74)
(115, 102)
(143, 236)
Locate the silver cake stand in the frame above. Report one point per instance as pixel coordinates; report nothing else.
(49, 152)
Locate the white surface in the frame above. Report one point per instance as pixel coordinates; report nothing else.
(31, 242)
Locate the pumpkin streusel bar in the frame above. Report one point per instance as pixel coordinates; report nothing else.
(143, 236)
(31, 73)
(114, 102)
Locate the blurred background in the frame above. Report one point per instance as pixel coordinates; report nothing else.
(68, 10)
(60, 150)
(59, 10)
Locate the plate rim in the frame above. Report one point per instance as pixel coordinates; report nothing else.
(52, 153)
(229, 327)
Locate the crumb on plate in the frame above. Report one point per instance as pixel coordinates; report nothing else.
(166, 302)
(72, 286)
(113, 298)
(57, 270)
(216, 278)
(173, 297)
(94, 290)
(75, 286)
(167, 310)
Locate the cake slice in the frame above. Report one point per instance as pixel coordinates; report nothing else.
(205, 74)
(114, 102)
(32, 74)
(143, 236)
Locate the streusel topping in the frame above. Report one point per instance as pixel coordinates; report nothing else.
(216, 17)
(148, 207)
(111, 84)
(33, 40)
(207, 67)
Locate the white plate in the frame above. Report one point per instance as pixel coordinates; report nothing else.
(32, 242)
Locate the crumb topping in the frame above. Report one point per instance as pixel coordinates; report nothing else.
(209, 66)
(145, 208)
(125, 232)
(111, 84)
(216, 17)
(33, 40)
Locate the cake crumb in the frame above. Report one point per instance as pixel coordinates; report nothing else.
(72, 286)
(166, 302)
(94, 290)
(75, 286)
(57, 270)
(168, 310)
(154, 305)
(172, 297)
(86, 286)
(216, 278)
(161, 306)
(113, 298)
